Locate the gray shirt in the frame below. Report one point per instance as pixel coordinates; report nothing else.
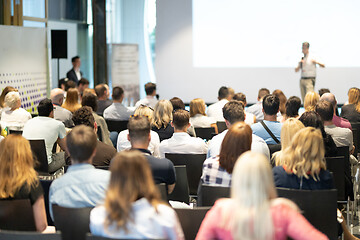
(117, 111)
(341, 136)
(64, 116)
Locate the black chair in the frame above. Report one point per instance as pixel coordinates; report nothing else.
(273, 148)
(72, 222)
(15, 132)
(181, 190)
(356, 137)
(22, 235)
(116, 125)
(344, 151)
(99, 133)
(205, 133)
(163, 191)
(318, 207)
(102, 167)
(336, 165)
(17, 215)
(207, 195)
(39, 153)
(46, 187)
(190, 220)
(221, 126)
(193, 163)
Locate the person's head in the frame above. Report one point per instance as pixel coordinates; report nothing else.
(5, 91)
(72, 96)
(271, 105)
(223, 93)
(118, 94)
(231, 93)
(240, 97)
(252, 189)
(233, 111)
(305, 47)
(69, 84)
(12, 100)
(162, 113)
(177, 103)
(354, 98)
(305, 156)
(181, 119)
(16, 165)
(83, 84)
(146, 111)
(325, 109)
(292, 107)
(57, 96)
(262, 93)
(89, 91)
(131, 179)
(139, 130)
(197, 106)
(150, 89)
(89, 100)
(311, 98)
(46, 108)
(330, 98)
(81, 142)
(282, 99)
(323, 90)
(76, 62)
(312, 119)
(101, 91)
(236, 141)
(84, 116)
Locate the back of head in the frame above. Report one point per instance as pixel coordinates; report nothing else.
(197, 106)
(288, 130)
(177, 103)
(271, 104)
(223, 93)
(162, 113)
(311, 98)
(45, 107)
(72, 96)
(5, 91)
(81, 143)
(282, 99)
(57, 96)
(262, 93)
(323, 90)
(236, 141)
(325, 109)
(233, 111)
(181, 119)
(83, 81)
(117, 93)
(12, 100)
(150, 88)
(292, 106)
(69, 84)
(330, 98)
(139, 128)
(100, 90)
(146, 112)
(354, 97)
(240, 97)
(89, 100)
(84, 116)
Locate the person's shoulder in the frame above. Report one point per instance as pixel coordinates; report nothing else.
(257, 139)
(279, 170)
(105, 147)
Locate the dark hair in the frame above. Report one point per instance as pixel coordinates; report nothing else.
(74, 58)
(117, 93)
(233, 111)
(240, 97)
(263, 92)
(150, 88)
(181, 118)
(177, 103)
(271, 104)
(69, 84)
(100, 90)
(89, 100)
(83, 81)
(223, 92)
(292, 106)
(81, 143)
(84, 116)
(312, 119)
(45, 107)
(323, 90)
(325, 109)
(139, 128)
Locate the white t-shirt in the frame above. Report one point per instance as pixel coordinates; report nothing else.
(308, 67)
(148, 101)
(215, 110)
(14, 120)
(201, 121)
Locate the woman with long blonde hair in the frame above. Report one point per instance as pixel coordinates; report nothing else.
(72, 100)
(162, 118)
(18, 178)
(351, 111)
(253, 212)
(198, 117)
(310, 101)
(132, 207)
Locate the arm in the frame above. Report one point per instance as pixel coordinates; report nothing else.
(215, 127)
(171, 188)
(40, 214)
(318, 63)
(298, 66)
(62, 144)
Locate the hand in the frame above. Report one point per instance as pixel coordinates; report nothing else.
(314, 61)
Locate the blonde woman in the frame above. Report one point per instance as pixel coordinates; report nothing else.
(253, 212)
(18, 179)
(310, 101)
(162, 118)
(123, 142)
(198, 117)
(288, 130)
(132, 208)
(72, 100)
(304, 165)
(351, 111)
(13, 116)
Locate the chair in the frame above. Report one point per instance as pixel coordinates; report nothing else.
(318, 207)
(221, 126)
(181, 190)
(208, 195)
(102, 167)
(39, 153)
(99, 133)
(273, 148)
(116, 125)
(336, 165)
(21, 235)
(46, 187)
(163, 191)
(356, 137)
(72, 222)
(17, 215)
(190, 220)
(15, 132)
(193, 163)
(205, 133)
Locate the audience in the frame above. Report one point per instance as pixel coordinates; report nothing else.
(198, 118)
(162, 118)
(282, 109)
(82, 85)
(117, 111)
(132, 207)
(72, 100)
(102, 93)
(5, 91)
(150, 100)
(311, 98)
(292, 107)
(254, 211)
(13, 116)
(60, 113)
(215, 109)
(249, 117)
(257, 108)
(323, 90)
(177, 103)
(351, 111)
(217, 170)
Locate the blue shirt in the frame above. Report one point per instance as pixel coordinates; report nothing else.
(260, 131)
(81, 186)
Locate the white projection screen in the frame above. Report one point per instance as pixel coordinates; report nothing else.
(202, 45)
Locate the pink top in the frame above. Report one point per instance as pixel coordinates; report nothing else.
(341, 122)
(287, 222)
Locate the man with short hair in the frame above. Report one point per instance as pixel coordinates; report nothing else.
(82, 85)
(256, 108)
(82, 185)
(233, 112)
(117, 111)
(249, 117)
(150, 100)
(46, 127)
(102, 93)
(60, 113)
(181, 142)
(338, 121)
(139, 136)
(75, 74)
(270, 128)
(215, 109)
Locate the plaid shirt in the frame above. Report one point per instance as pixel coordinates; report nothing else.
(215, 175)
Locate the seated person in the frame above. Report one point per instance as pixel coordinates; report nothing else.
(215, 109)
(177, 103)
(60, 113)
(338, 121)
(162, 118)
(310, 101)
(249, 117)
(292, 107)
(72, 100)
(132, 208)
(150, 100)
(198, 118)
(117, 111)
(13, 116)
(351, 111)
(257, 108)
(102, 93)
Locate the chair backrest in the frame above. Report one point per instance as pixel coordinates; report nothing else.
(356, 137)
(194, 165)
(72, 222)
(15, 132)
(23, 235)
(163, 191)
(318, 207)
(190, 220)
(99, 133)
(116, 125)
(221, 126)
(181, 190)
(39, 153)
(336, 165)
(17, 215)
(207, 195)
(344, 151)
(103, 167)
(46, 187)
(205, 133)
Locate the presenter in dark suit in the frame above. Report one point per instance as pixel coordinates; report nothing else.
(75, 74)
